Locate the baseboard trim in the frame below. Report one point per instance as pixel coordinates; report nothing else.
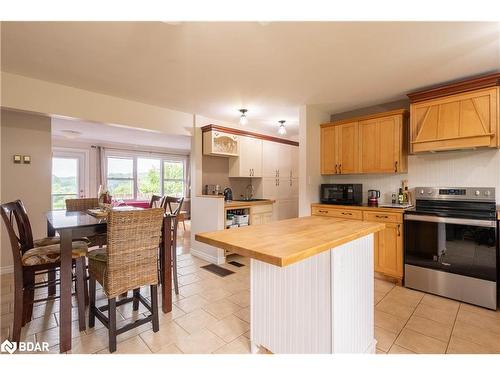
(207, 257)
(7, 269)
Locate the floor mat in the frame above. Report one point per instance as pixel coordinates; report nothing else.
(219, 271)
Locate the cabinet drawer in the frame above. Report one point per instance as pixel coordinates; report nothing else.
(261, 208)
(384, 217)
(335, 212)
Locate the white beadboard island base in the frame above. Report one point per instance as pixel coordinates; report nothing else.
(322, 304)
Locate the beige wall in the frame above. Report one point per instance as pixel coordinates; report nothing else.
(25, 134)
(49, 98)
(309, 156)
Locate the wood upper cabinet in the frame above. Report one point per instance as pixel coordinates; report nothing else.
(369, 144)
(462, 114)
(329, 163)
(383, 145)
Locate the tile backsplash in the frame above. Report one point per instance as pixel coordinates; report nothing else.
(452, 168)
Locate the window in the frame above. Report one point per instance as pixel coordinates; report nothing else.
(120, 177)
(173, 178)
(148, 178)
(65, 181)
(138, 177)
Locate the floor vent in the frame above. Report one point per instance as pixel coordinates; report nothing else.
(219, 271)
(236, 264)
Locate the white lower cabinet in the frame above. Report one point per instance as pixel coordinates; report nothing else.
(286, 194)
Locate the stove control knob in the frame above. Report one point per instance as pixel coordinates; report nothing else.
(422, 192)
(429, 192)
(477, 192)
(487, 193)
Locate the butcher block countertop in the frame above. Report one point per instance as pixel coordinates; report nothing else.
(285, 242)
(239, 204)
(363, 207)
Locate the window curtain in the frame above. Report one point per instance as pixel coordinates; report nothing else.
(187, 178)
(100, 167)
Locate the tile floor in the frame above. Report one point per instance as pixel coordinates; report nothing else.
(211, 315)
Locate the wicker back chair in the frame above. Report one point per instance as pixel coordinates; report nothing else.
(84, 204)
(30, 261)
(81, 204)
(128, 263)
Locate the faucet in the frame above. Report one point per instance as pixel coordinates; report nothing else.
(249, 192)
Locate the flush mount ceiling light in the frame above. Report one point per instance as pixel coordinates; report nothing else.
(243, 117)
(70, 134)
(282, 129)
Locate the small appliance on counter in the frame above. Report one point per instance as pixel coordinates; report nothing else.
(348, 194)
(212, 189)
(228, 194)
(373, 196)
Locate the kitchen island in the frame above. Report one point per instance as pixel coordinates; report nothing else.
(311, 283)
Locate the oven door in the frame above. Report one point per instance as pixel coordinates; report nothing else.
(455, 245)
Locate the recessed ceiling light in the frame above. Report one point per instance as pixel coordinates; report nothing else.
(243, 117)
(70, 134)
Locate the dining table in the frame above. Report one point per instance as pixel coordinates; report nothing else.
(76, 224)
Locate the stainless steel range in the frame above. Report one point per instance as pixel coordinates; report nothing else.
(451, 244)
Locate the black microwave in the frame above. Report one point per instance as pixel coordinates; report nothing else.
(350, 194)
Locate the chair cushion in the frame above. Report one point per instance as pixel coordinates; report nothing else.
(99, 255)
(46, 241)
(51, 254)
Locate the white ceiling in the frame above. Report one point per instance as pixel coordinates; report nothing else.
(272, 69)
(109, 134)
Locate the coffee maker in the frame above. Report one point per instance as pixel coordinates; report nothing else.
(373, 196)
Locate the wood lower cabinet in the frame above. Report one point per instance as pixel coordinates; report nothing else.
(389, 250)
(369, 144)
(388, 244)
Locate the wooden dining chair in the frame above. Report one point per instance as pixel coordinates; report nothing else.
(173, 206)
(84, 204)
(156, 201)
(31, 261)
(128, 262)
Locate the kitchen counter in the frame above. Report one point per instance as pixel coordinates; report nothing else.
(285, 242)
(363, 207)
(311, 283)
(240, 204)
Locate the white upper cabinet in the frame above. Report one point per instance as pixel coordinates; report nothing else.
(270, 157)
(249, 161)
(219, 143)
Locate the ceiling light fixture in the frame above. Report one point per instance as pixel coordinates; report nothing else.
(282, 129)
(243, 117)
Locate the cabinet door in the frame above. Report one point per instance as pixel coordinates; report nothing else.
(389, 141)
(270, 153)
(295, 161)
(249, 162)
(369, 134)
(270, 188)
(267, 218)
(348, 140)
(328, 150)
(389, 251)
(284, 157)
(380, 143)
(293, 188)
(256, 219)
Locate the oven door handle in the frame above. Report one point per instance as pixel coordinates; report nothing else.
(452, 220)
